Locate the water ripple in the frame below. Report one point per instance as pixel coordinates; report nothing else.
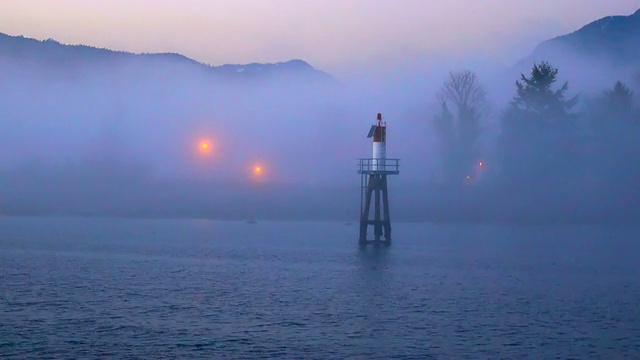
(153, 289)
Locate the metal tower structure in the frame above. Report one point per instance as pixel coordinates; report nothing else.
(373, 182)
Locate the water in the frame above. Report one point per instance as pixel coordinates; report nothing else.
(96, 288)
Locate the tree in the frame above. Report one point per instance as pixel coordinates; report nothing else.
(463, 89)
(615, 128)
(538, 140)
(445, 128)
(612, 114)
(460, 133)
(619, 98)
(535, 99)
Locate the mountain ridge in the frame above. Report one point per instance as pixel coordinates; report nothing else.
(51, 53)
(594, 56)
(611, 39)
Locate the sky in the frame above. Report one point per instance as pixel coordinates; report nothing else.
(337, 36)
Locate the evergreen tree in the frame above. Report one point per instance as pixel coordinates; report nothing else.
(445, 130)
(538, 142)
(619, 98)
(615, 129)
(536, 101)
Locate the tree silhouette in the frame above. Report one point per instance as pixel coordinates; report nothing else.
(445, 129)
(535, 99)
(614, 130)
(538, 143)
(620, 97)
(459, 131)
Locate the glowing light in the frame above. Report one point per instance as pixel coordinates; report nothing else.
(205, 147)
(481, 164)
(258, 171)
(468, 177)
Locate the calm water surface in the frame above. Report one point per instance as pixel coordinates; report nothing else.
(96, 288)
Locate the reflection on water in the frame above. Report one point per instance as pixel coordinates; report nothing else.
(374, 258)
(374, 277)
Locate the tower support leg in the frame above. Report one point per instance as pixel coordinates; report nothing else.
(364, 217)
(376, 186)
(377, 225)
(387, 216)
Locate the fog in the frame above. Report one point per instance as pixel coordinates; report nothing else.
(124, 138)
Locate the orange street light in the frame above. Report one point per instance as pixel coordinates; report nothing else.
(205, 147)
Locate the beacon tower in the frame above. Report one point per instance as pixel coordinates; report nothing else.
(373, 183)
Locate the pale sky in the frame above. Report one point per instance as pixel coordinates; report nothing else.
(333, 35)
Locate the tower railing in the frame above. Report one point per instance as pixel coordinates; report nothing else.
(371, 166)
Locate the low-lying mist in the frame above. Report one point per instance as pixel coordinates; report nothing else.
(164, 138)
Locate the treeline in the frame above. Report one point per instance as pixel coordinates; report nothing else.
(554, 157)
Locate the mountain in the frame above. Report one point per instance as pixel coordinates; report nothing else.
(56, 57)
(602, 50)
(613, 38)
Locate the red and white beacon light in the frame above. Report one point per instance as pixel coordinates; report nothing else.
(379, 144)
